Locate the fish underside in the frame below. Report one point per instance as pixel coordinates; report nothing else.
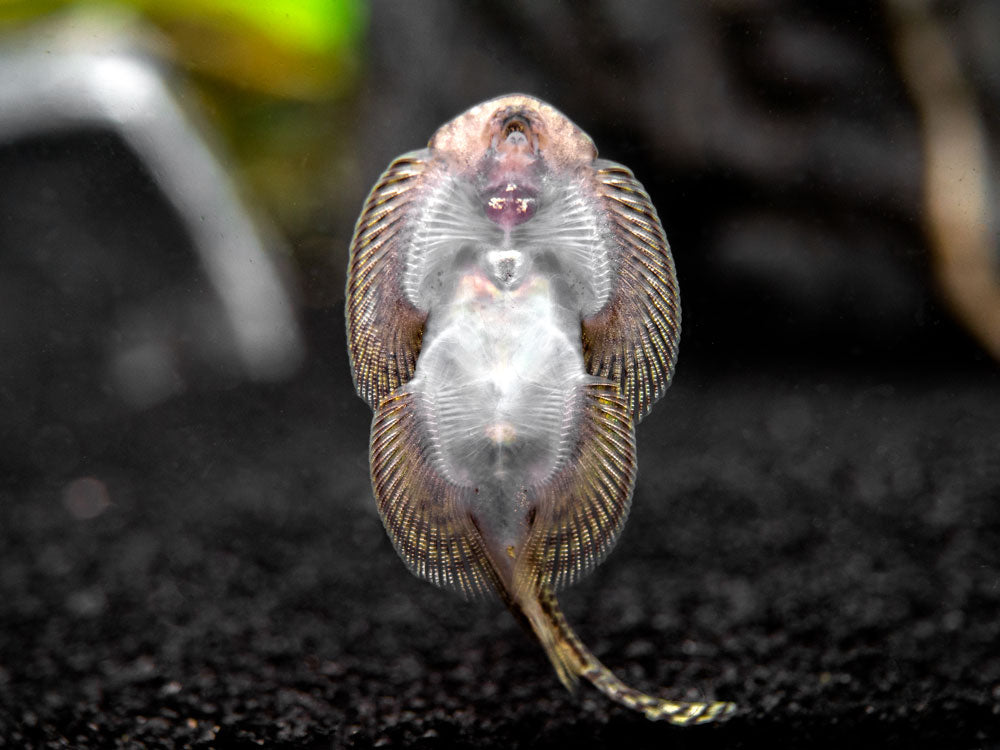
(512, 313)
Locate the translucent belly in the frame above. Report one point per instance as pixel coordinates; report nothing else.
(497, 381)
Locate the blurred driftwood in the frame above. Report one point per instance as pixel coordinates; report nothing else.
(959, 208)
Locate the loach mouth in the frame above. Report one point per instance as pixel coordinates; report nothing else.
(515, 131)
(515, 136)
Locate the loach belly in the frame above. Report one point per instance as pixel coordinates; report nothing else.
(499, 382)
(509, 436)
(503, 441)
(500, 393)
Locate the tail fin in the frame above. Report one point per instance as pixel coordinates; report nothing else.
(573, 660)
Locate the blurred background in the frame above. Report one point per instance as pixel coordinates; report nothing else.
(186, 524)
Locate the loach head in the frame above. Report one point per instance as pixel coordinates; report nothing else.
(514, 124)
(507, 145)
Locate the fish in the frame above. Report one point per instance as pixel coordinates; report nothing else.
(512, 313)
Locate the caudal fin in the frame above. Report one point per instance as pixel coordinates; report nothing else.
(573, 660)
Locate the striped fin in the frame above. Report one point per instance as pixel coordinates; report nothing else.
(633, 339)
(582, 509)
(572, 660)
(384, 330)
(425, 515)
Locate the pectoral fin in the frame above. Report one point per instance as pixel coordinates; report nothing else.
(633, 339)
(384, 329)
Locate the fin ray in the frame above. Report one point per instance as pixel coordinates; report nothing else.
(582, 509)
(425, 515)
(633, 339)
(384, 330)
